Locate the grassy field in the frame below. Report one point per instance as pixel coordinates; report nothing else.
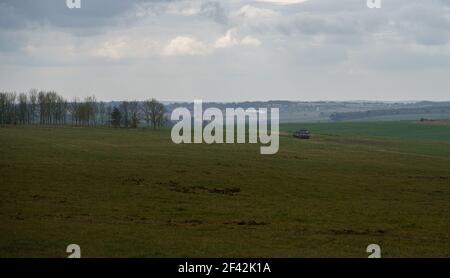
(133, 193)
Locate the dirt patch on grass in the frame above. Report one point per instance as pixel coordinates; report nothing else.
(135, 218)
(4, 165)
(442, 122)
(246, 223)
(225, 191)
(175, 186)
(188, 222)
(133, 181)
(37, 197)
(357, 232)
(428, 178)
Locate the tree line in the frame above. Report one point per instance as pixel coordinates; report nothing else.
(50, 108)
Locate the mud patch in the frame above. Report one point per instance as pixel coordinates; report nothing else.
(176, 187)
(357, 232)
(188, 222)
(225, 191)
(133, 181)
(247, 223)
(4, 165)
(37, 197)
(442, 122)
(428, 177)
(135, 218)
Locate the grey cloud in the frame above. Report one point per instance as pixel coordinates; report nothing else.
(298, 43)
(55, 13)
(401, 59)
(215, 11)
(421, 22)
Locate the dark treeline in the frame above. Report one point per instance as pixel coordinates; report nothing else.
(346, 116)
(50, 108)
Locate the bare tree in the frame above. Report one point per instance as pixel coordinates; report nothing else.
(91, 108)
(146, 108)
(154, 112)
(32, 106)
(23, 108)
(134, 113)
(8, 108)
(101, 108)
(125, 113)
(109, 111)
(73, 111)
(2, 108)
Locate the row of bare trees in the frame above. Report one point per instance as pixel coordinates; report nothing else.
(89, 112)
(50, 108)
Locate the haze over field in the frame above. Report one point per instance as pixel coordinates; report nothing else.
(228, 50)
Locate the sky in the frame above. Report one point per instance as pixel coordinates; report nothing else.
(236, 50)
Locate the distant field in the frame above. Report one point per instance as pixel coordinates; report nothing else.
(409, 130)
(133, 193)
(407, 117)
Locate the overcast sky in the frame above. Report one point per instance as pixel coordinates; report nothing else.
(228, 50)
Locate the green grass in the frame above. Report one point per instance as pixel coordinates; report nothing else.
(408, 130)
(133, 193)
(406, 117)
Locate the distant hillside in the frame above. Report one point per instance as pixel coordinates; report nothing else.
(324, 111)
(443, 111)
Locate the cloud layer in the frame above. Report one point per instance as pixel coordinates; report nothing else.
(227, 50)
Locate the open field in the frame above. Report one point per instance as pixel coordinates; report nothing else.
(133, 193)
